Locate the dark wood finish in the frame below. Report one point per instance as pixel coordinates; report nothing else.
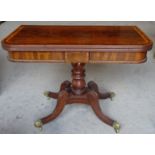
(73, 44)
(78, 45)
(62, 100)
(72, 38)
(93, 86)
(77, 92)
(78, 76)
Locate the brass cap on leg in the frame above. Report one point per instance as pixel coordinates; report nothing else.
(46, 93)
(116, 127)
(112, 95)
(38, 124)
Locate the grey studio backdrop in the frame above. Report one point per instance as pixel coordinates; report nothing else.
(22, 86)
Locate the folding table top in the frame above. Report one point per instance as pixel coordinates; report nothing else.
(77, 38)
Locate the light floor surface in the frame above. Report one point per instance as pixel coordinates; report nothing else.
(22, 86)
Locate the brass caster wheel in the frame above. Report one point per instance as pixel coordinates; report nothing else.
(46, 93)
(116, 127)
(38, 124)
(112, 95)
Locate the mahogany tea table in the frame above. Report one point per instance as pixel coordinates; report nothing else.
(78, 45)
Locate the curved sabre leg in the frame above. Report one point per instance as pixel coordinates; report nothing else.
(50, 94)
(93, 99)
(62, 99)
(64, 86)
(110, 95)
(93, 86)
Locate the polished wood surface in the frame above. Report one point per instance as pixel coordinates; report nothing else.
(78, 45)
(74, 57)
(71, 38)
(72, 44)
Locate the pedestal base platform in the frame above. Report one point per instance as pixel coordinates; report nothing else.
(77, 92)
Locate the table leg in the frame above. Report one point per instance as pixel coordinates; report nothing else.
(78, 92)
(94, 102)
(93, 86)
(66, 85)
(62, 100)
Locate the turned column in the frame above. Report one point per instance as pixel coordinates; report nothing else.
(78, 79)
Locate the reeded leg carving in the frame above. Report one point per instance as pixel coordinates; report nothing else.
(62, 100)
(93, 86)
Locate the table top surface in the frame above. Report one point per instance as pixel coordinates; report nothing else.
(45, 38)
